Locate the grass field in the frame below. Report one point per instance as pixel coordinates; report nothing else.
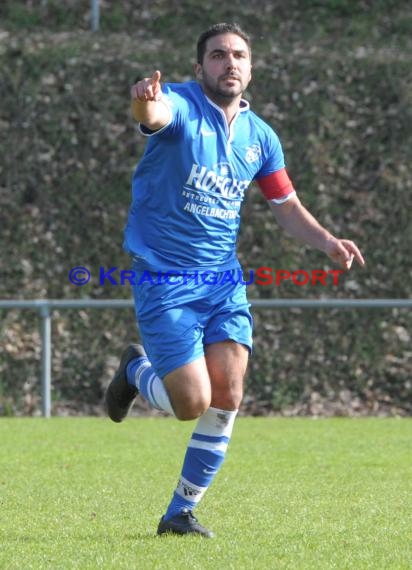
(84, 493)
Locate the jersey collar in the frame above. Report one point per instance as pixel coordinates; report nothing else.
(243, 107)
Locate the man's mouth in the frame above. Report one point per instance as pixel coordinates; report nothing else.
(230, 78)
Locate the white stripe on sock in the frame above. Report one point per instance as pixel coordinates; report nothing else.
(189, 491)
(216, 422)
(143, 366)
(209, 445)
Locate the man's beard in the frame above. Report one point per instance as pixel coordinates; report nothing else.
(220, 93)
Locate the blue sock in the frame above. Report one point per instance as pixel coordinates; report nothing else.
(142, 376)
(133, 367)
(204, 456)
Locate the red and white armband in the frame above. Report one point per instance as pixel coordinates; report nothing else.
(277, 186)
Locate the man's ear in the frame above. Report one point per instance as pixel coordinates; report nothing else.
(198, 70)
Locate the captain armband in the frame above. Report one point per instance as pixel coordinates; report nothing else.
(277, 186)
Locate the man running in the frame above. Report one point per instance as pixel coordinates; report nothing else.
(204, 148)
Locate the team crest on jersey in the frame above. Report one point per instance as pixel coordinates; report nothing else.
(253, 153)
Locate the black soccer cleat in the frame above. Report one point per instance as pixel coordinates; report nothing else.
(183, 523)
(120, 395)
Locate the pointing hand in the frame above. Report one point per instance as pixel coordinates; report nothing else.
(147, 89)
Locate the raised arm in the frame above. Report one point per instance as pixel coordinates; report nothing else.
(298, 222)
(148, 106)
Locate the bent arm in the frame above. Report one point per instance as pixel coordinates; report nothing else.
(148, 106)
(298, 222)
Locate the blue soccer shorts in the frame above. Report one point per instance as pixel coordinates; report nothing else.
(178, 315)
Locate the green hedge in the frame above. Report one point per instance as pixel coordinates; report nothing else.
(333, 78)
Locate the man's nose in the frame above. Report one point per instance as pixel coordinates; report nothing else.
(231, 62)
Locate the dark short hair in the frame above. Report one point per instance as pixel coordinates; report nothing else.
(217, 30)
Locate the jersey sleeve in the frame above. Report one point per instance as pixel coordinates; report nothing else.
(178, 110)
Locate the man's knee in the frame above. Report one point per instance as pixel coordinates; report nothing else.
(228, 398)
(227, 362)
(190, 406)
(189, 390)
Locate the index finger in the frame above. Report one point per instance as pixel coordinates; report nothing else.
(355, 253)
(156, 77)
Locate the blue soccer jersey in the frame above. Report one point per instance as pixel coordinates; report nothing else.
(189, 186)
